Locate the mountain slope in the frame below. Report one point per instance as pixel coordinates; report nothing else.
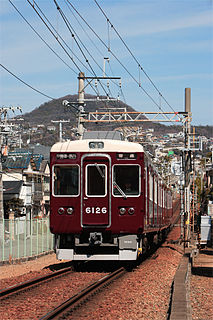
(54, 110)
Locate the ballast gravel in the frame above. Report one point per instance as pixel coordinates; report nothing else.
(143, 293)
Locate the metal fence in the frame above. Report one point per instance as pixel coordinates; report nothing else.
(24, 238)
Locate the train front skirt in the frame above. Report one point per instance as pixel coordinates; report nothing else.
(127, 251)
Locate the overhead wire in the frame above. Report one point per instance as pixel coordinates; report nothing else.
(10, 175)
(70, 28)
(68, 2)
(54, 35)
(100, 53)
(122, 93)
(41, 37)
(28, 85)
(84, 30)
(93, 43)
(34, 5)
(138, 63)
(58, 35)
(118, 60)
(74, 36)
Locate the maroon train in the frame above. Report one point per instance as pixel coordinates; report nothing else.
(107, 200)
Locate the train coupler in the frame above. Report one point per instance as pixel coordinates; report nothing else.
(95, 238)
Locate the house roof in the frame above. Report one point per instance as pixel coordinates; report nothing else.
(43, 165)
(40, 149)
(11, 189)
(18, 160)
(22, 159)
(12, 186)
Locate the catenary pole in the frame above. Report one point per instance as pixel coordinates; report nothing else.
(187, 165)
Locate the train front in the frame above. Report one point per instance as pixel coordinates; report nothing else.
(97, 199)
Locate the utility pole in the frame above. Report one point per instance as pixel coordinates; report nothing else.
(187, 166)
(193, 185)
(81, 103)
(60, 127)
(81, 100)
(1, 184)
(3, 113)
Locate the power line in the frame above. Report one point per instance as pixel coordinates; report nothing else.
(139, 65)
(96, 47)
(41, 37)
(100, 53)
(28, 85)
(57, 36)
(118, 60)
(73, 36)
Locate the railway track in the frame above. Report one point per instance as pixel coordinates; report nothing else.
(47, 291)
(83, 295)
(67, 304)
(5, 293)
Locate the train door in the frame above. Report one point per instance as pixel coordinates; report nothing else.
(96, 190)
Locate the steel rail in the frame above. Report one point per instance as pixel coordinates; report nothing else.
(83, 294)
(30, 283)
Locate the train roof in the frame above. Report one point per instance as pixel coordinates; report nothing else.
(111, 135)
(108, 146)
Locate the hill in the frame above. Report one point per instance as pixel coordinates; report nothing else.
(54, 110)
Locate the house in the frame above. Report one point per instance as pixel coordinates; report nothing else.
(51, 128)
(26, 177)
(12, 197)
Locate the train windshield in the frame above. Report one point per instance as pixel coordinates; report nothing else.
(66, 180)
(96, 180)
(126, 180)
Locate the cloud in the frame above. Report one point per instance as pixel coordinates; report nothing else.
(200, 76)
(148, 27)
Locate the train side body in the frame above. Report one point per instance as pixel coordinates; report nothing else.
(102, 205)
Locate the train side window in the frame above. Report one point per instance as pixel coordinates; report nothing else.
(151, 186)
(96, 180)
(126, 180)
(66, 180)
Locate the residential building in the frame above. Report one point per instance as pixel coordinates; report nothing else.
(26, 184)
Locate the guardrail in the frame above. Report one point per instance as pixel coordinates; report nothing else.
(20, 238)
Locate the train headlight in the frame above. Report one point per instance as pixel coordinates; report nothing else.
(122, 211)
(131, 211)
(92, 145)
(61, 210)
(96, 145)
(70, 211)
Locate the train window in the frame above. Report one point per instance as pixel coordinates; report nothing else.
(66, 180)
(150, 186)
(156, 190)
(126, 180)
(96, 180)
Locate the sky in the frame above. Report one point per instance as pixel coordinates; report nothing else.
(171, 40)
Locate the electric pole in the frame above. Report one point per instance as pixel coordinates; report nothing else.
(79, 106)
(60, 127)
(187, 166)
(81, 103)
(3, 141)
